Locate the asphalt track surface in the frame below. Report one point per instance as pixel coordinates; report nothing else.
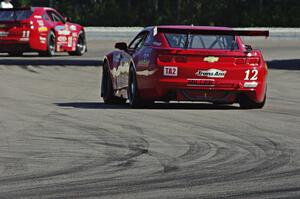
(58, 139)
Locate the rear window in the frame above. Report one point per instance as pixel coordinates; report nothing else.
(12, 15)
(196, 41)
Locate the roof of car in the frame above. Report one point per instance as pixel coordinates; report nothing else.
(192, 27)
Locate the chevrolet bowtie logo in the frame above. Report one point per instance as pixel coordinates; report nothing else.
(211, 59)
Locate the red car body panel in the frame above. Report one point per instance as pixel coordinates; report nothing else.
(201, 74)
(30, 34)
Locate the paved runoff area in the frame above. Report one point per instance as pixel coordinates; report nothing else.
(59, 140)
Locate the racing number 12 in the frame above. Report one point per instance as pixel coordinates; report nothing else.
(253, 73)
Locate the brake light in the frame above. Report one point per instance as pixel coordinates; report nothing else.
(170, 58)
(165, 58)
(25, 25)
(255, 60)
(240, 61)
(180, 59)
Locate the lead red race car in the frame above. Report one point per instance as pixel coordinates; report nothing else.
(186, 63)
(39, 29)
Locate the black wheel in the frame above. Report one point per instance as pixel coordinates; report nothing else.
(132, 90)
(247, 103)
(51, 43)
(81, 45)
(107, 92)
(15, 54)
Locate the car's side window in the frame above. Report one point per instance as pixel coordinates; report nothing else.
(45, 17)
(54, 17)
(57, 18)
(139, 41)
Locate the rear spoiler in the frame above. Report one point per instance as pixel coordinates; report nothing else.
(263, 33)
(14, 10)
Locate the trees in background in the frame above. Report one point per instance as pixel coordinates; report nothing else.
(238, 13)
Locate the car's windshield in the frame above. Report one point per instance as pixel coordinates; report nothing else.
(197, 41)
(12, 15)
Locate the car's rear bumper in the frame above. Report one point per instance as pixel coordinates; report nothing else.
(226, 91)
(13, 45)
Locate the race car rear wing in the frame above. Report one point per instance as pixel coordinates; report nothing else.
(263, 33)
(17, 9)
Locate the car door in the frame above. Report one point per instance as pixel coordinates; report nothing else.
(62, 31)
(136, 50)
(122, 69)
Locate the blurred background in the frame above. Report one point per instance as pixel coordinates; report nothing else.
(233, 13)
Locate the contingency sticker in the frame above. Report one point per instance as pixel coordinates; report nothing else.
(43, 29)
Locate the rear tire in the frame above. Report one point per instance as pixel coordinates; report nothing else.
(51, 45)
(81, 45)
(132, 90)
(247, 103)
(107, 92)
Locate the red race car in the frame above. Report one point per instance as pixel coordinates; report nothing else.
(41, 30)
(186, 63)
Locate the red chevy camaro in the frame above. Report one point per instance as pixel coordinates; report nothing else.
(186, 63)
(41, 30)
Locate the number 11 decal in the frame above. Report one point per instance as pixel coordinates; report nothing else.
(251, 74)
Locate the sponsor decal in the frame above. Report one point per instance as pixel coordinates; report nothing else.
(24, 39)
(40, 22)
(214, 73)
(64, 32)
(58, 28)
(58, 48)
(211, 59)
(43, 39)
(69, 41)
(62, 39)
(73, 28)
(201, 82)
(250, 84)
(43, 29)
(3, 34)
(171, 71)
(37, 17)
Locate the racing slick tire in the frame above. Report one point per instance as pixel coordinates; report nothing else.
(81, 45)
(107, 92)
(51, 43)
(133, 96)
(246, 103)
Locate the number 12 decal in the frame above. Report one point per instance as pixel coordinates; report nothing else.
(251, 74)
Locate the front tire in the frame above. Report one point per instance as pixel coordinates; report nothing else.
(81, 45)
(51, 43)
(107, 92)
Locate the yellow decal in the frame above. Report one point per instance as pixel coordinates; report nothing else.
(43, 29)
(211, 59)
